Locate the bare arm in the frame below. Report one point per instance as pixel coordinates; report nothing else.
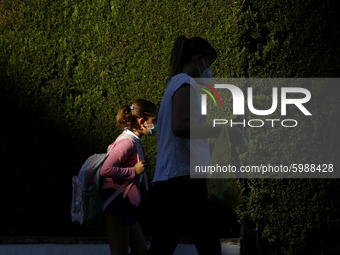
(180, 119)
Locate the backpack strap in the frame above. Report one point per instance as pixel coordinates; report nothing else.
(140, 157)
(114, 195)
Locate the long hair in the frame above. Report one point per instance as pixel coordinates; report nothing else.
(184, 49)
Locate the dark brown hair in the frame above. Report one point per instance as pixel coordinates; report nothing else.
(184, 49)
(139, 108)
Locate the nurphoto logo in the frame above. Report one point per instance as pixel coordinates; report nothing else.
(239, 104)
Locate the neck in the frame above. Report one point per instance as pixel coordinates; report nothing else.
(191, 70)
(136, 132)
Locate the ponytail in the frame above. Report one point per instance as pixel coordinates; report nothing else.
(183, 51)
(176, 64)
(139, 108)
(124, 117)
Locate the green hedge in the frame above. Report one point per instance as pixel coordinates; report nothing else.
(66, 66)
(299, 40)
(76, 62)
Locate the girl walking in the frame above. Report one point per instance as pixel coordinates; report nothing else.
(183, 207)
(122, 172)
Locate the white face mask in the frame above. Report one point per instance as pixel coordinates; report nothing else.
(153, 130)
(206, 75)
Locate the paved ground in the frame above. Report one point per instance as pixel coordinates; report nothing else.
(72, 246)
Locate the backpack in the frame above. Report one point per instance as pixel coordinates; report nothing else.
(87, 208)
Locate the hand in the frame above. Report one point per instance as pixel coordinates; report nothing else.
(140, 167)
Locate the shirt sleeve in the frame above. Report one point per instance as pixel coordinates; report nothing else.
(178, 82)
(113, 166)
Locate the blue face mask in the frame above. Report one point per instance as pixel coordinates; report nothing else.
(153, 130)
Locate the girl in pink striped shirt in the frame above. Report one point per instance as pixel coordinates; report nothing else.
(121, 167)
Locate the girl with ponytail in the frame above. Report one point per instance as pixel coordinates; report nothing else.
(182, 201)
(121, 174)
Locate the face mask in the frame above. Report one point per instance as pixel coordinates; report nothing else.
(206, 75)
(153, 130)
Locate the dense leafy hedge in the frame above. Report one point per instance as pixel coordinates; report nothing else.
(299, 40)
(66, 66)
